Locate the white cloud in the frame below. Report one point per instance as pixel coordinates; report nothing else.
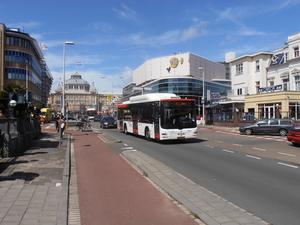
(24, 25)
(126, 13)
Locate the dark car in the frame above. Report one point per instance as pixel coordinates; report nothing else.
(97, 117)
(107, 122)
(268, 126)
(294, 135)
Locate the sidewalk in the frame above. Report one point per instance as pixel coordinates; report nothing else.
(103, 187)
(34, 186)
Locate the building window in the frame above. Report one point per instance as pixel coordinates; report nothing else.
(271, 83)
(239, 91)
(239, 69)
(257, 65)
(297, 82)
(296, 52)
(257, 86)
(286, 84)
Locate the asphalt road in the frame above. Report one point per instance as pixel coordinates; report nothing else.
(247, 171)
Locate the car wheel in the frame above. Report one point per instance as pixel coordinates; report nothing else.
(147, 134)
(248, 131)
(282, 132)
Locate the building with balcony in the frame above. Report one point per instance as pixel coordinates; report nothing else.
(22, 63)
(267, 84)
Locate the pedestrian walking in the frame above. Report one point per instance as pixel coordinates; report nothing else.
(62, 126)
(57, 120)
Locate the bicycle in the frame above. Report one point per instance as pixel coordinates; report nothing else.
(83, 126)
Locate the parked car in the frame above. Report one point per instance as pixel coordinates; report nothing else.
(294, 135)
(72, 121)
(97, 117)
(107, 122)
(268, 126)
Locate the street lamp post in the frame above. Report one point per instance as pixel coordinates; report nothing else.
(26, 81)
(64, 74)
(203, 98)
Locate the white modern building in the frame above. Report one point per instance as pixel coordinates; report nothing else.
(181, 74)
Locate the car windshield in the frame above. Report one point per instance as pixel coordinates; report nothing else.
(263, 122)
(108, 118)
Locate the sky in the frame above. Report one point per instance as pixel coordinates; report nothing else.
(113, 38)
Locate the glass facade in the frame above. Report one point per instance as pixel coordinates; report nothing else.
(13, 73)
(185, 87)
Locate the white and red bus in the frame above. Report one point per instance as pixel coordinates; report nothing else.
(91, 112)
(161, 116)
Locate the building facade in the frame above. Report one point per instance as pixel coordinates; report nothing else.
(267, 84)
(183, 75)
(80, 95)
(22, 62)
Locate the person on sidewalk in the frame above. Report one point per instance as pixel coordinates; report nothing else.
(57, 120)
(62, 126)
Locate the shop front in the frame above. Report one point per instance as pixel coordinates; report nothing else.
(283, 104)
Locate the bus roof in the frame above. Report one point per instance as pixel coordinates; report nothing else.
(151, 97)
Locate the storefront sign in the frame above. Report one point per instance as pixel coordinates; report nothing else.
(271, 89)
(215, 96)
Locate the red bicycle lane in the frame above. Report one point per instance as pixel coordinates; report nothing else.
(111, 191)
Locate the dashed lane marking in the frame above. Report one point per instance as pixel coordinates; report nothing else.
(259, 149)
(237, 145)
(282, 153)
(127, 148)
(229, 151)
(288, 165)
(209, 146)
(253, 157)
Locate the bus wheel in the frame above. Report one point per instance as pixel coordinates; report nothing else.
(147, 134)
(125, 129)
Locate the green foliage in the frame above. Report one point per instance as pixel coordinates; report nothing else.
(3, 94)
(16, 88)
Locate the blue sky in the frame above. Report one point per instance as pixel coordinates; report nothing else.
(112, 38)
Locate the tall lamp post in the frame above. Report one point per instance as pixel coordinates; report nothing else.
(203, 98)
(26, 81)
(112, 84)
(64, 74)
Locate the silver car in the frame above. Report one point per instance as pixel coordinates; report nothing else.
(268, 126)
(72, 121)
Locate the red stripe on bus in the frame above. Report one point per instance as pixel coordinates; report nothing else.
(122, 106)
(157, 135)
(177, 100)
(135, 131)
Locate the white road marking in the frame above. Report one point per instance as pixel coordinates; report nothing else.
(253, 157)
(133, 150)
(282, 153)
(237, 145)
(229, 151)
(260, 149)
(127, 148)
(219, 141)
(209, 146)
(284, 164)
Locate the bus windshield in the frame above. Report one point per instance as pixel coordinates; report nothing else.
(178, 114)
